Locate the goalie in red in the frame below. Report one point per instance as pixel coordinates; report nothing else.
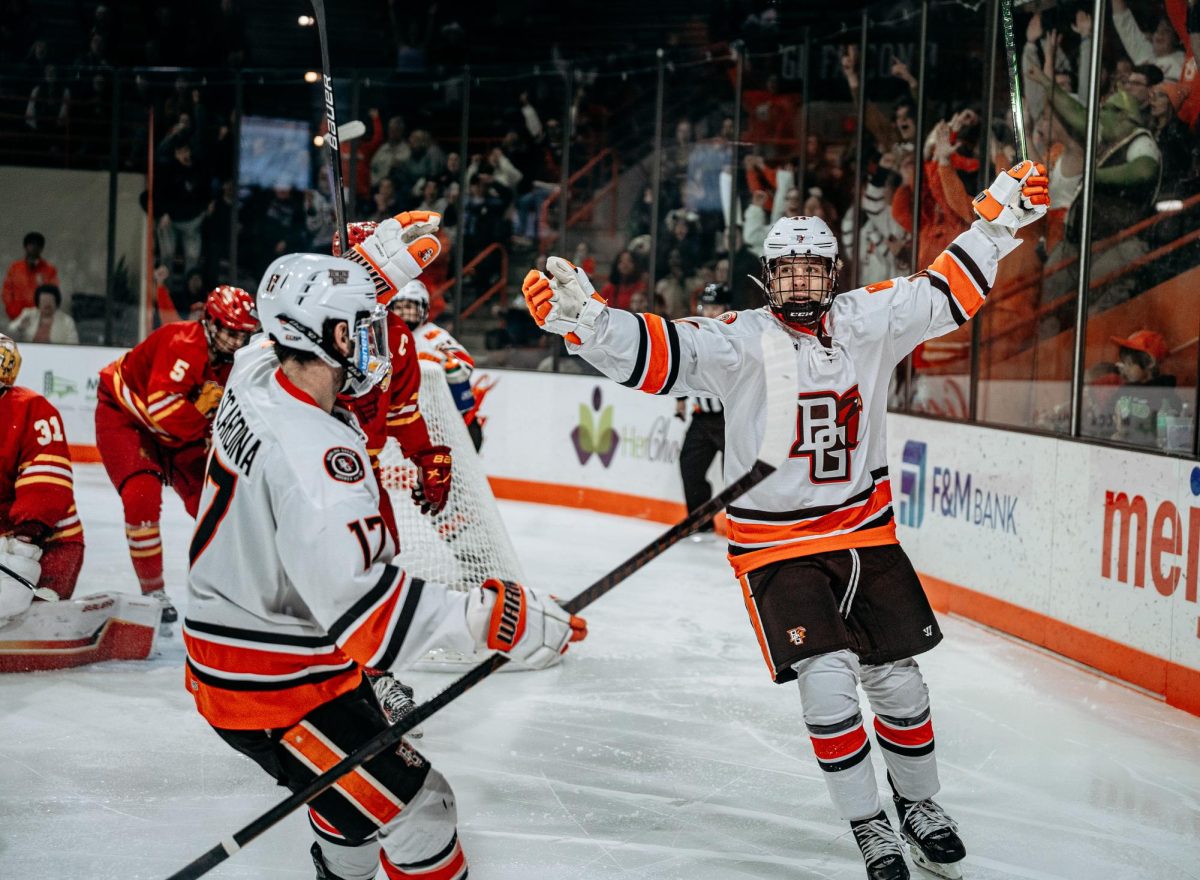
(833, 600)
(41, 543)
(41, 537)
(154, 410)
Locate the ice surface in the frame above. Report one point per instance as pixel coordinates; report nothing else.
(659, 749)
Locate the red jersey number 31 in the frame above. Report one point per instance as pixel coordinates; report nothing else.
(827, 431)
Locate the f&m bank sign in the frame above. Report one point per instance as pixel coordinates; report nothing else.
(934, 490)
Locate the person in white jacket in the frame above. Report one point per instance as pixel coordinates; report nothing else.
(45, 321)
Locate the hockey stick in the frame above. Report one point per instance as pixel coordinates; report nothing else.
(779, 360)
(332, 134)
(1014, 79)
(44, 593)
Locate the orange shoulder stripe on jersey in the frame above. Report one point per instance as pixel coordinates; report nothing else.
(837, 521)
(962, 285)
(660, 354)
(364, 792)
(744, 563)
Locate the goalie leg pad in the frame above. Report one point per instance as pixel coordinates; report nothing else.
(60, 635)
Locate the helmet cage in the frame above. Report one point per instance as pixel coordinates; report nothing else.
(781, 288)
(368, 362)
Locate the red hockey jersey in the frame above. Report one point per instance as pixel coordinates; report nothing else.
(37, 488)
(393, 411)
(167, 384)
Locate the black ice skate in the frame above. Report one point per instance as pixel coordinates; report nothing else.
(395, 698)
(881, 848)
(169, 614)
(932, 837)
(318, 857)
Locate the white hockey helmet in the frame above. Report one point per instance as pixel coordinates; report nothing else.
(413, 292)
(788, 251)
(302, 297)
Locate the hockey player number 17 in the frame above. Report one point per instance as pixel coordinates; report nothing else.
(225, 480)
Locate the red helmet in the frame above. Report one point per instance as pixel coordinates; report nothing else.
(356, 232)
(232, 308)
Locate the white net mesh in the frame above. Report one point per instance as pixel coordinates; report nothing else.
(466, 543)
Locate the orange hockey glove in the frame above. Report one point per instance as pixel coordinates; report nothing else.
(1017, 197)
(563, 302)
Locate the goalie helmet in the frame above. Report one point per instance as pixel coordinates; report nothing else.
(302, 299)
(10, 363)
(417, 294)
(799, 269)
(230, 318)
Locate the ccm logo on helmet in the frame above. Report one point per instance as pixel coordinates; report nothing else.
(344, 465)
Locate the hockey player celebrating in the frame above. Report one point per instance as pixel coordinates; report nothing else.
(154, 410)
(435, 344)
(41, 537)
(292, 590)
(832, 598)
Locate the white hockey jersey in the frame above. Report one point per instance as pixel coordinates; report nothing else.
(435, 344)
(291, 589)
(833, 491)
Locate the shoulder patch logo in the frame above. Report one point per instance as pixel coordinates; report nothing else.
(344, 465)
(727, 317)
(877, 286)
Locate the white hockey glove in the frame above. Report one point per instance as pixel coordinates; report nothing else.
(1016, 198)
(401, 249)
(504, 616)
(22, 558)
(565, 302)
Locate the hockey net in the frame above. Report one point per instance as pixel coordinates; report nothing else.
(466, 543)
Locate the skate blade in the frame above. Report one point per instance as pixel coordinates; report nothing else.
(949, 870)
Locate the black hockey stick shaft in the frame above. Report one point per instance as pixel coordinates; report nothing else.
(41, 592)
(1014, 78)
(387, 738)
(331, 135)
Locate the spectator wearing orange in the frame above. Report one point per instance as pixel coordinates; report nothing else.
(26, 275)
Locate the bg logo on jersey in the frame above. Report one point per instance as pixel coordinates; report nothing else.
(827, 432)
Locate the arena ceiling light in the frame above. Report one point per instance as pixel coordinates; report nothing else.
(305, 21)
(312, 76)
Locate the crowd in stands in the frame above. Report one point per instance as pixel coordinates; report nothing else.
(1147, 156)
